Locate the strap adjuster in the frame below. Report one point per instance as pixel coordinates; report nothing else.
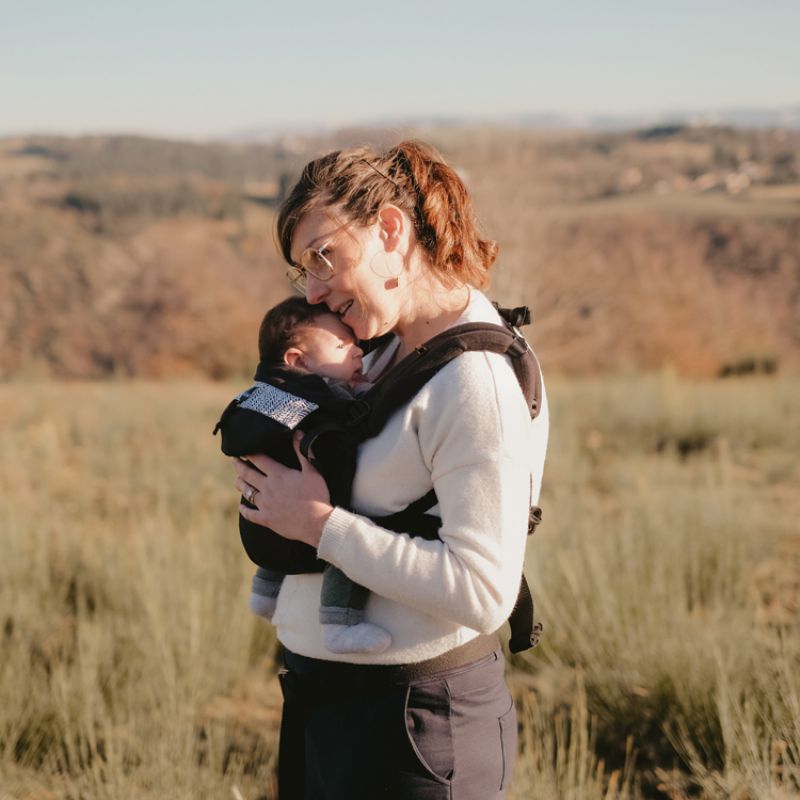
(519, 346)
(536, 634)
(357, 412)
(534, 518)
(515, 317)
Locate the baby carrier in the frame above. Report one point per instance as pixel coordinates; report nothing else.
(332, 432)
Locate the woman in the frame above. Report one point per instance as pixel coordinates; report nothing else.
(389, 242)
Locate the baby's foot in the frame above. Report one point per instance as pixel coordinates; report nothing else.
(263, 605)
(361, 638)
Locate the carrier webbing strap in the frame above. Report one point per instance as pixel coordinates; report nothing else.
(524, 633)
(527, 369)
(418, 367)
(414, 519)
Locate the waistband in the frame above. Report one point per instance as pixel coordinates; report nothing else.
(332, 679)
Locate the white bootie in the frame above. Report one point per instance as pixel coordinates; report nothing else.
(361, 638)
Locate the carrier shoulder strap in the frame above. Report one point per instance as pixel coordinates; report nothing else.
(418, 367)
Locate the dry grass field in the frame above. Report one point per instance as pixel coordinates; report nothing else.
(667, 572)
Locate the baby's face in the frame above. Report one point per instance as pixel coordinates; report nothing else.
(330, 350)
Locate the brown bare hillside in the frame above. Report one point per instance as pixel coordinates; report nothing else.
(129, 256)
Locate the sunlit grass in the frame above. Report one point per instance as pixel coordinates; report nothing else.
(667, 573)
(122, 587)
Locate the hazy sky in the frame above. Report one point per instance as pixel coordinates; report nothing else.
(190, 67)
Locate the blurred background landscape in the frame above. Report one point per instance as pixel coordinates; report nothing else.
(668, 246)
(640, 169)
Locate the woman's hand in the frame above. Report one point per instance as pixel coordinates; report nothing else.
(293, 503)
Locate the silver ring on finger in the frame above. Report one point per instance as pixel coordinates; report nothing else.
(251, 495)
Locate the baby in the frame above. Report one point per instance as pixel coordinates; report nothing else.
(309, 362)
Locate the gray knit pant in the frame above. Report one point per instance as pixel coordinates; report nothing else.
(342, 601)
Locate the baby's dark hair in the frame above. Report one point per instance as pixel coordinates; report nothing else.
(281, 325)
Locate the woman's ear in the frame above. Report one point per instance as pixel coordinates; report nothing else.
(295, 358)
(394, 226)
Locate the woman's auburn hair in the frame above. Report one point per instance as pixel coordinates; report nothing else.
(412, 176)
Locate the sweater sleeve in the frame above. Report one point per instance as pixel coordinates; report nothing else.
(474, 434)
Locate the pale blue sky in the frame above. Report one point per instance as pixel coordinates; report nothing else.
(196, 68)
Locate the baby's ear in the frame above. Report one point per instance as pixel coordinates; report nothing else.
(295, 358)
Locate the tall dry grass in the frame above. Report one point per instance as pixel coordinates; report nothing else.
(123, 593)
(667, 573)
(665, 499)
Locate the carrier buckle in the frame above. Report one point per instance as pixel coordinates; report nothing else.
(357, 412)
(534, 518)
(536, 634)
(519, 346)
(519, 316)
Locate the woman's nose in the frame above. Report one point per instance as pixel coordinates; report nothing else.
(315, 289)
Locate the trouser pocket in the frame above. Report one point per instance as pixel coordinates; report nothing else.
(484, 730)
(429, 729)
(508, 743)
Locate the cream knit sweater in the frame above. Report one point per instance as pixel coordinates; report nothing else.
(468, 434)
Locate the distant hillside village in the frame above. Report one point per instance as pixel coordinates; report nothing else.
(734, 169)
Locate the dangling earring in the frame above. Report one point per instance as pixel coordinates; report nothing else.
(387, 265)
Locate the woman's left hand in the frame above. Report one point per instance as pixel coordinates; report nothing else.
(293, 503)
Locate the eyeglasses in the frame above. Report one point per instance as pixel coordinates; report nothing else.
(313, 261)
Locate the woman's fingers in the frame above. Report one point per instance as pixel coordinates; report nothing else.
(242, 467)
(293, 503)
(256, 469)
(251, 483)
(250, 514)
(263, 463)
(247, 490)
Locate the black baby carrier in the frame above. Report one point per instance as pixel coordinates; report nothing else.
(334, 427)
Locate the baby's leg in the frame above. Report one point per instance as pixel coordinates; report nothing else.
(264, 593)
(342, 616)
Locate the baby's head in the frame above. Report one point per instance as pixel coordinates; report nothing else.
(310, 339)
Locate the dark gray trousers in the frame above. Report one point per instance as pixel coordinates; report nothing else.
(449, 735)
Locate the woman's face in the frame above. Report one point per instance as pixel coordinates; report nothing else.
(368, 303)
